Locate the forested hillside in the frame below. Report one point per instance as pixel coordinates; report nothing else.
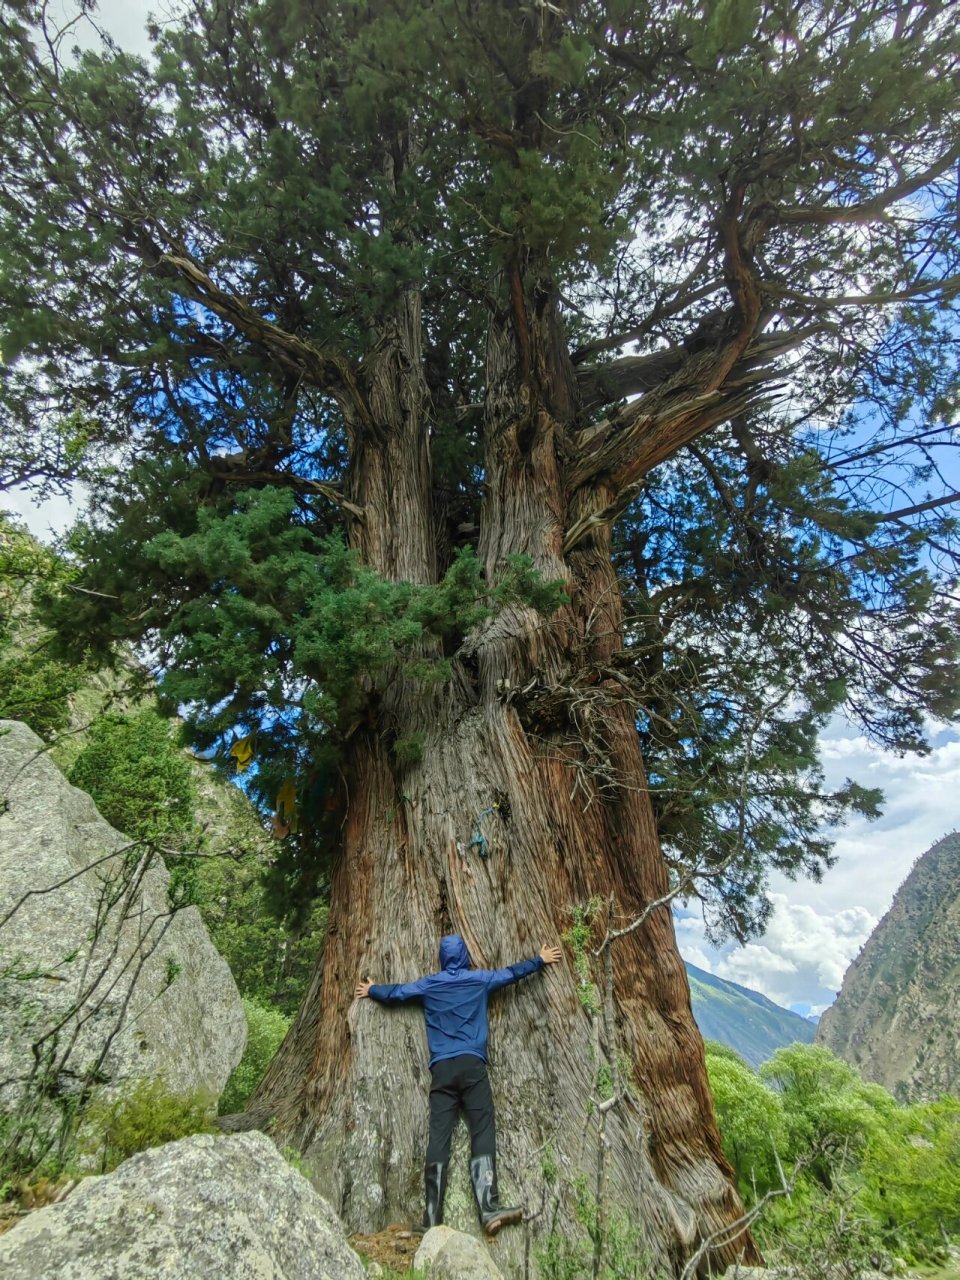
(744, 1020)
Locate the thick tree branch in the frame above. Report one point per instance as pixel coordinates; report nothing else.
(866, 210)
(237, 474)
(606, 384)
(920, 507)
(294, 356)
(626, 446)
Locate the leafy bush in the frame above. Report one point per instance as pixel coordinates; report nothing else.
(34, 687)
(138, 777)
(875, 1179)
(911, 1173)
(266, 1028)
(751, 1123)
(271, 961)
(144, 1116)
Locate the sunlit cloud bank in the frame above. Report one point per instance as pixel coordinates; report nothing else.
(817, 929)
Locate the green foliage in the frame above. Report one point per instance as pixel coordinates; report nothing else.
(292, 605)
(548, 1165)
(871, 1178)
(827, 1108)
(145, 1115)
(139, 778)
(743, 664)
(266, 1029)
(822, 1233)
(561, 1258)
(37, 691)
(270, 956)
(911, 1172)
(578, 938)
(751, 1123)
(34, 686)
(610, 1247)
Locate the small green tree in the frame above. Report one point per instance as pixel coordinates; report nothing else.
(828, 1110)
(751, 1120)
(265, 1031)
(138, 777)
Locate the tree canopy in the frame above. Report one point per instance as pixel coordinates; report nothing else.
(744, 219)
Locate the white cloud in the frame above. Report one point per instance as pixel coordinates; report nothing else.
(801, 958)
(817, 929)
(801, 943)
(46, 520)
(698, 957)
(922, 804)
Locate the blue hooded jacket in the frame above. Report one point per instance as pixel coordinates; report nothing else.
(455, 999)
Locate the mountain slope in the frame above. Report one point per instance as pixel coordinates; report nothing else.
(743, 1019)
(897, 1017)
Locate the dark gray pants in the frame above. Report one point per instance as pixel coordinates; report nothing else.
(460, 1084)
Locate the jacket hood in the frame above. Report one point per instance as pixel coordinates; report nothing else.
(454, 953)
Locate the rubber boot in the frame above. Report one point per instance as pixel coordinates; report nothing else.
(435, 1188)
(493, 1215)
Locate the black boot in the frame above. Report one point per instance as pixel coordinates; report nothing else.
(493, 1215)
(435, 1187)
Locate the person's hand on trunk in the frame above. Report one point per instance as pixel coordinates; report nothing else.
(363, 989)
(550, 955)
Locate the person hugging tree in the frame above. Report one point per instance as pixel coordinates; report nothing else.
(455, 1010)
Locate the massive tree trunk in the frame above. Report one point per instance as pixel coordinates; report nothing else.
(533, 743)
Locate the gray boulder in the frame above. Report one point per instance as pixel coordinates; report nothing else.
(204, 1208)
(446, 1254)
(98, 979)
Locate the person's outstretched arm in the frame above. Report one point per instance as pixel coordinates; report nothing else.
(391, 993)
(514, 972)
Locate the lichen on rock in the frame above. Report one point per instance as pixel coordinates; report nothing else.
(199, 1209)
(101, 980)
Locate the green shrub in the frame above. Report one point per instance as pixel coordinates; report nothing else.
(34, 686)
(270, 961)
(138, 776)
(827, 1107)
(145, 1115)
(751, 1121)
(911, 1173)
(266, 1028)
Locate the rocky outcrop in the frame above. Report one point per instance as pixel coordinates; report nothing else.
(446, 1254)
(99, 979)
(897, 1017)
(204, 1208)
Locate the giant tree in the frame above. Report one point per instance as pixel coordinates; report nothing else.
(474, 375)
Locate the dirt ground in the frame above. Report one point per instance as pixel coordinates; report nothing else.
(393, 1247)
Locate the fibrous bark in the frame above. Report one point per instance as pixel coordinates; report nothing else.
(565, 812)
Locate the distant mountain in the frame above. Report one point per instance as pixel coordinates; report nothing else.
(743, 1019)
(897, 1017)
